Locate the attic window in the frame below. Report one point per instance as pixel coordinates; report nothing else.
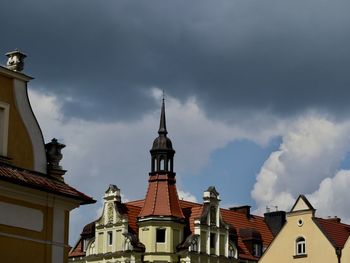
(300, 248)
(4, 122)
(160, 235)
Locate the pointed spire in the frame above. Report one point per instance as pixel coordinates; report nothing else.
(162, 124)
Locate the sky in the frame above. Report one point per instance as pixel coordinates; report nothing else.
(256, 95)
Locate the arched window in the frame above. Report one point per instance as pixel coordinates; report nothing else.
(300, 248)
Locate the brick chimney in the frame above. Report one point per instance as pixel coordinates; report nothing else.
(275, 220)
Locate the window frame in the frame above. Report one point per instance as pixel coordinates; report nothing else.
(300, 246)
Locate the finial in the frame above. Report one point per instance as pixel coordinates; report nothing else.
(162, 124)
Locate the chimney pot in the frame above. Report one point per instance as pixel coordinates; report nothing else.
(15, 60)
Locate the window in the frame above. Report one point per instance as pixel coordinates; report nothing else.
(300, 246)
(257, 250)
(160, 235)
(110, 238)
(212, 240)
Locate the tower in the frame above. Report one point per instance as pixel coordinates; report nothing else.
(161, 221)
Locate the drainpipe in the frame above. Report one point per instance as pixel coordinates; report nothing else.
(338, 253)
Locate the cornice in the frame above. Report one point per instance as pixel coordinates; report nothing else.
(14, 74)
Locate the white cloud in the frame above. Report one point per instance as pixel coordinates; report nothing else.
(307, 162)
(183, 195)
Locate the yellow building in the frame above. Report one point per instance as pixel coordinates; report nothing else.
(309, 239)
(34, 199)
(162, 228)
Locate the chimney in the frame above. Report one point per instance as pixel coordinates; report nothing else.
(15, 60)
(245, 209)
(54, 156)
(275, 220)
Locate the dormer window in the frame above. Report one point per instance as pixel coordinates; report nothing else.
(257, 249)
(4, 122)
(194, 246)
(231, 251)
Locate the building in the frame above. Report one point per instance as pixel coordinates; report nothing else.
(162, 228)
(306, 238)
(34, 199)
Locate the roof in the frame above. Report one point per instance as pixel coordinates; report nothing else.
(77, 250)
(132, 212)
(161, 198)
(41, 182)
(336, 232)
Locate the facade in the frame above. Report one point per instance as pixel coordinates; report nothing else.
(34, 199)
(162, 228)
(306, 238)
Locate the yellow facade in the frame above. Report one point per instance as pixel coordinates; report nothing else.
(34, 220)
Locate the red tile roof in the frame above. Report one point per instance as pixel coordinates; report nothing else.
(241, 221)
(336, 232)
(161, 198)
(77, 250)
(132, 212)
(41, 182)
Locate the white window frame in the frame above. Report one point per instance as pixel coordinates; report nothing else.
(300, 242)
(4, 126)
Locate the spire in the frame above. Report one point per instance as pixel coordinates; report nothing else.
(162, 151)
(162, 123)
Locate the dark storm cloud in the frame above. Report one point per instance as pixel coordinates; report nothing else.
(282, 56)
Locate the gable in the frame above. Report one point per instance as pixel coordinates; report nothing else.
(22, 141)
(302, 204)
